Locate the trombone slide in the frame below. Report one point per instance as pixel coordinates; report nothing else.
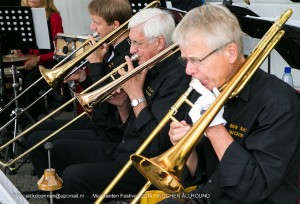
(165, 171)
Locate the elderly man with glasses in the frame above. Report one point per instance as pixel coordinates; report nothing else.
(250, 152)
(87, 167)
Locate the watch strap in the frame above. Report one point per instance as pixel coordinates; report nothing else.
(136, 102)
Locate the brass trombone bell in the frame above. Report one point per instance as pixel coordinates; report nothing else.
(169, 116)
(95, 35)
(109, 88)
(55, 76)
(88, 100)
(156, 172)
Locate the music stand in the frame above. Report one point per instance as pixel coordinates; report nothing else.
(137, 5)
(16, 32)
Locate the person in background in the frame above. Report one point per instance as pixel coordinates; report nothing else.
(43, 57)
(87, 167)
(107, 16)
(54, 21)
(251, 151)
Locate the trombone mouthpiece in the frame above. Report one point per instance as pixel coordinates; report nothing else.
(96, 36)
(134, 57)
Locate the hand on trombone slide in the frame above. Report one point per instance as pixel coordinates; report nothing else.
(99, 54)
(134, 86)
(178, 130)
(79, 75)
(204, 102)
(119, 98)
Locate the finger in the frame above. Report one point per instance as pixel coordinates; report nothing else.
(105, 47)
(144, 73)
(118, 91)
(114, 92)
(183, 123)
(177, 134)
(129, 63)
(93, 41)
(174, 124)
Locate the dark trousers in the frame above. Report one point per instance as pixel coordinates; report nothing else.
(54, 98)
(29, 77)
(88, 167)
(77, 130)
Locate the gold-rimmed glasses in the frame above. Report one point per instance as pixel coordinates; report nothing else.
(138, 44)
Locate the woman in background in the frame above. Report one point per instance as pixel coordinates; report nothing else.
(43, 57)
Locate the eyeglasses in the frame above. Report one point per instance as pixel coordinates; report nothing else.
(194, 60)
(135, 43)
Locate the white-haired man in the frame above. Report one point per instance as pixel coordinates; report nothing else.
(87, 167)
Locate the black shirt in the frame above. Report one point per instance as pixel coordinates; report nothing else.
(261, 165)
(103, 119)
(164, 84)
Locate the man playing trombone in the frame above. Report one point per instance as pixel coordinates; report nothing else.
(87, 167)
(249, 154)
(106, 15)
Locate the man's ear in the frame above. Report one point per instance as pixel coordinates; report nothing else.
(232, 52)
(161, 41)
(116, 24)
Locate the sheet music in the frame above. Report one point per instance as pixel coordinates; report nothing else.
(41, 28)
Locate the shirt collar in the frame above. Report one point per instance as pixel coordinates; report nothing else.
(245, 92)
(122, 47)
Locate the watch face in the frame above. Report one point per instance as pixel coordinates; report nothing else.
(134, 102)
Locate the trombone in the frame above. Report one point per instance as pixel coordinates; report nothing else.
(38, 80)
(93, 98)
(55, 76)
(165, 170)
(170, 115)
(57, 80)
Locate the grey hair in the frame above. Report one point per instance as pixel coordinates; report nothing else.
(215, 22)
(154, 22)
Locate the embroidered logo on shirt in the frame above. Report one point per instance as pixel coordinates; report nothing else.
(111, 64)
(236, 130)
(149, 91)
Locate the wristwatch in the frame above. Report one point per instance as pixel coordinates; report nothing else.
(136, 102)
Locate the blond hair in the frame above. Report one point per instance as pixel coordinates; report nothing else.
(216, 22)
(47, 4)
(111, 10)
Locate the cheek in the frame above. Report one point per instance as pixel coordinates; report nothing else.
(103, 30)
(144, 55)
(93, 27)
